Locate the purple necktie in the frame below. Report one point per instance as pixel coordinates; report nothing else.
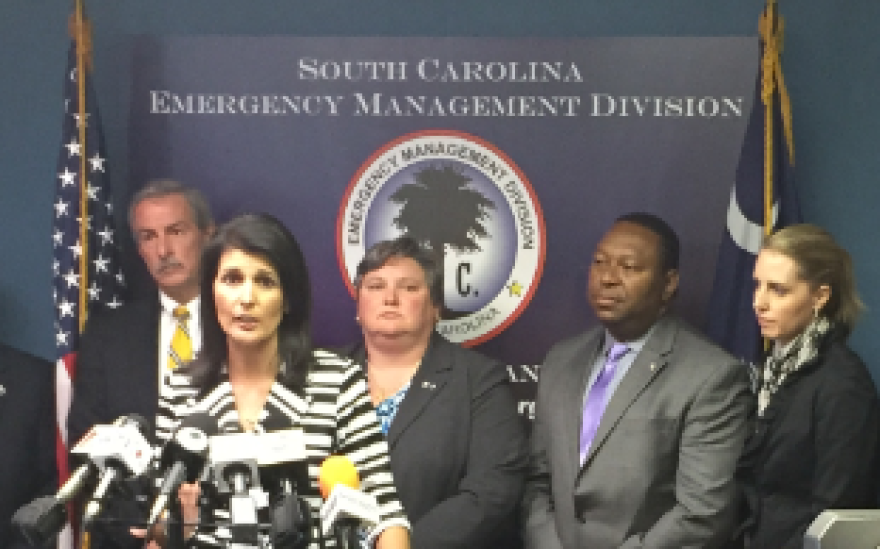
(595, 404)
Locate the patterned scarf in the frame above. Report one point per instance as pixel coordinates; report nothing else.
(801, 350)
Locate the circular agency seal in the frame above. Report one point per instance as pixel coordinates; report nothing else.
(457, 193)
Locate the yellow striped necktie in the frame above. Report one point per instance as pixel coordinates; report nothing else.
(181, 345)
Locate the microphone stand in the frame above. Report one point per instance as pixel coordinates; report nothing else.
(174, 527)
(347, 535)
(242, 507)
(85, 533)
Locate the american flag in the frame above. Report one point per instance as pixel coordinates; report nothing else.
(85, 266)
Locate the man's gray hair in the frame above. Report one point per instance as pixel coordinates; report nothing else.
(159, 188)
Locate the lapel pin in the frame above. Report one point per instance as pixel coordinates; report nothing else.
(2, 390)
(428, 385)
(653, 366)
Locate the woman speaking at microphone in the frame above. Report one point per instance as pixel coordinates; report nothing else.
(258, 372)
(458, 449)
(815, 442)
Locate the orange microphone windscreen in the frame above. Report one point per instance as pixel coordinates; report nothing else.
(337, 470)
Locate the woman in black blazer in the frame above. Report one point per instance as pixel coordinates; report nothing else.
(458, 447)
(815, 441)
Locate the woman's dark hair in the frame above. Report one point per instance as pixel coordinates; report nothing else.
(264, 236)
(404, 247)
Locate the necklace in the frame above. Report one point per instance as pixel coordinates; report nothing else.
(250, 398)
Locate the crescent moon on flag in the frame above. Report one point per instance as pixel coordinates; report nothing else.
(747, 234)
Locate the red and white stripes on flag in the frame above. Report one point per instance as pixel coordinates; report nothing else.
(85, 266)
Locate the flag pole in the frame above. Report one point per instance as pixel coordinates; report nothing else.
(768, 21)
(771, 28)
(83, 46)
(83, 51)
(85, 266)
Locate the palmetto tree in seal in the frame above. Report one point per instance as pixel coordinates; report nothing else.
(441, 209)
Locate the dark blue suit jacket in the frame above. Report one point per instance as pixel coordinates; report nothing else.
(458, 451)
(116, 375)
(27, 431)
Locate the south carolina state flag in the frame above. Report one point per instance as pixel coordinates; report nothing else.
(763, 200)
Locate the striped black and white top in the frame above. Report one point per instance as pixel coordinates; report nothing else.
(336, 417)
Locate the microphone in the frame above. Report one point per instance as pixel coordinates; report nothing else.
(116, 450)
(44, 517)
(345, 507)
(291, 519)
(283, 469)
(77, 480)
(268, 449)
(239, 480)
(260, 470)
(183, 458)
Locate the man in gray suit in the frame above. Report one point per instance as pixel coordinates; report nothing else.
(639, 422)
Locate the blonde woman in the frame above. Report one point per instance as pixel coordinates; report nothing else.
(815, 442)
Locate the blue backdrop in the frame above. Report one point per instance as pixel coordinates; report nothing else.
(830, 58)
(323, 133)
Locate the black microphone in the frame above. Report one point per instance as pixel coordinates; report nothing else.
(291, 521)
(234, 469)
(290, 515)
(272, 464)
(117, 450)
(44, 517)
(236, 479)
(183, 458)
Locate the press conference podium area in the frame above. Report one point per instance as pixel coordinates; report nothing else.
(850, 529)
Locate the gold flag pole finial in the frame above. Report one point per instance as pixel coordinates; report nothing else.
(80, 30)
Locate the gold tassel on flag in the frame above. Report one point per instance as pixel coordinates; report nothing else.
(770, 29)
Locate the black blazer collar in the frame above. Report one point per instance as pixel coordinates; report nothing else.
(428, 381)
(430, 377)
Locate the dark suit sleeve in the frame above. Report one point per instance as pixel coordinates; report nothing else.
(846, 452)
(711, 443)
(539, 526)
(491, 488)
(89, 408)
(34, 437)
(89, 385)
(46, 465)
